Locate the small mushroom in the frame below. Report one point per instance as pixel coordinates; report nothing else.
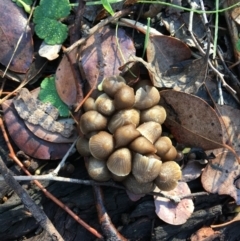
(124, 98)
(163, 145)
(101, 145)
(120, 162)
(156, 113)
(138, 188)
(89, 104)
(170, 155)
(92, 121)
(110, 85)
(125, 134)
(97, 169)
(151, 130)
(142, 146)
(146, 97)
(145, 169)
(82, 146)
(123, 117)
(104, 104)
(169, 175)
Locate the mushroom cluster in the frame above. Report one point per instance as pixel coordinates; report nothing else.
(122, 138)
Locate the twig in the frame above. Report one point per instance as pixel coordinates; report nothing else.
(43, 189)
(37, 213)
(110, 232)
(98, 26)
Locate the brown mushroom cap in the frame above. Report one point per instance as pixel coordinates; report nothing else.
(151, 130)
(123, 117)
(92, 121)
(101, 145)
(170, 155)
(124, 98)
(138, 188)
(142, 146)
(82, 146)
(145, 169)
(120, 162)
(97, 169)
(146, 97)
(156, 113)
(170, 173)
(89, 104)
(125, 134)
(112, 84)
(104, 104)
(163, 145)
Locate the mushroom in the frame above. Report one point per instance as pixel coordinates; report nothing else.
(142, 146)
(110, 85)
(125, 134)
(101, 145)
(163, 145)
(120, 162)
(92, 121)
(124, 98)
(104, 104)
(151, 130)
(97, 169)
(156, 113)
(144, 168)
(83, 146)
(89, 104)
(170, 155)
(123, 117)
(138, 188)
(146, 97)
(169, 175)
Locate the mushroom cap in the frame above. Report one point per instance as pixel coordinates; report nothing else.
(163, 145)
(144, 168)
(156, 113)
(82, 146)
(170, 155)
(169, 175)
(89, 104)
(92, 121)
(151, 130)
(138, 188)
(97, 169)
(120, 162)
(146, 97)
(101, 145)
(142, 145)
(104, 104)
(123, 117)
(125, 134)
(112, 84)
(124, 98)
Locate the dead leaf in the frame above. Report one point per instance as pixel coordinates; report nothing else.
(235, 14)
(101, 56)
(191, 120)
(205, 233)
(13, 21)
(27, 141)
(174, 213)
(219, 175)
(191, 171)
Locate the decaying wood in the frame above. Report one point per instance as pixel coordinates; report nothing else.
(36, 112)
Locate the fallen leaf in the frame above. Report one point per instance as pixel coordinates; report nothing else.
(26, 140)
(191, 120)
(205, 233)
(192, 171)
(13, 21)
(219, 175)
(174, 213)
(101, 55)
(235, 14)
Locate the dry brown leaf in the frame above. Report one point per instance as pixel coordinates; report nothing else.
(219, 175)
(174, 213)
(205, 233)
(235, 14)
(13, 21)
(191, 171)
(191, 120)
(26, 140)
(101, 56)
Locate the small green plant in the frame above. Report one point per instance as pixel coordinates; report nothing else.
(48, 93)
(47, 18)
(26, 4)
(238, 45)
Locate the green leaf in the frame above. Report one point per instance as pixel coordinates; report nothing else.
(107, 6)
(48, 93)
(238, 45)
(26, 4)
(47, 18)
